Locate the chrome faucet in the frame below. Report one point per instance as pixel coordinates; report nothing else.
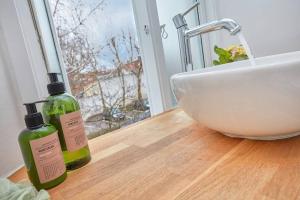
(185, 34)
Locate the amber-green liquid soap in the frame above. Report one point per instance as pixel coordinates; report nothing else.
(41, 151)
(62, 110)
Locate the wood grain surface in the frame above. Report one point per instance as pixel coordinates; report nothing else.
(170, 156)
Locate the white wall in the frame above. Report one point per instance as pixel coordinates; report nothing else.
(10, 122)
(23, 77)
(270, 26)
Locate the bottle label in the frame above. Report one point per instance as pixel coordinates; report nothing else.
(48, 157)
(73, 130)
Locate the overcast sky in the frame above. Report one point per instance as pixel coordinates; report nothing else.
(114, 17)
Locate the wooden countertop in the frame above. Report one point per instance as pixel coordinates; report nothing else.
(172, 157)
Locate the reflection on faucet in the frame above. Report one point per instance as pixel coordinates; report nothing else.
(185, 34)
(227, 24)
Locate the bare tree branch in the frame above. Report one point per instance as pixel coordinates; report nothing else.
(82, 20)
(55, 8)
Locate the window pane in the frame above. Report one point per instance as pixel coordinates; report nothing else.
(102, 58)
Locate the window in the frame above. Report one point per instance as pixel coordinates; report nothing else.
(102, 59)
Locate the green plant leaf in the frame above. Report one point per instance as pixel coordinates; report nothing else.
(215, 62)
(222, 52)
(227, 56)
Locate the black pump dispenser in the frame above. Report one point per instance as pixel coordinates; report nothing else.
(55, 87)
(33, 119)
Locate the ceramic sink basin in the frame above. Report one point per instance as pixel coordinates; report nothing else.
(240, 100)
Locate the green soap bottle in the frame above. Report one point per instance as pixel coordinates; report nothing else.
(41, 151)
(63, 111)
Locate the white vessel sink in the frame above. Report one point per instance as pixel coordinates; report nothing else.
(239, 100)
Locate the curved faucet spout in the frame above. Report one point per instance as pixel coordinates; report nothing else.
(185, 33)
(232, 26)
(228, 24)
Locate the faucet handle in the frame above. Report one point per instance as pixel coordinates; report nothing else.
(190, 9)
(179, 19)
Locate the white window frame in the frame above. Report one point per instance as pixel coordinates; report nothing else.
(158, 87)
(21, 53)
(20, 41)
(44, 24)
(157, 83)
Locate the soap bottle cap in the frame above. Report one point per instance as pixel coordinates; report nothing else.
(33, 118)
(55, 87)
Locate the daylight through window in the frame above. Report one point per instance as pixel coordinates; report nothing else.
(101, 54)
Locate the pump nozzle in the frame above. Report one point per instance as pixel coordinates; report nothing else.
(33, 119)
(55, 86)
(30, 107)
(53, 77)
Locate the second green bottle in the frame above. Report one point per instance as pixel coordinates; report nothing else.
(63, 111)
